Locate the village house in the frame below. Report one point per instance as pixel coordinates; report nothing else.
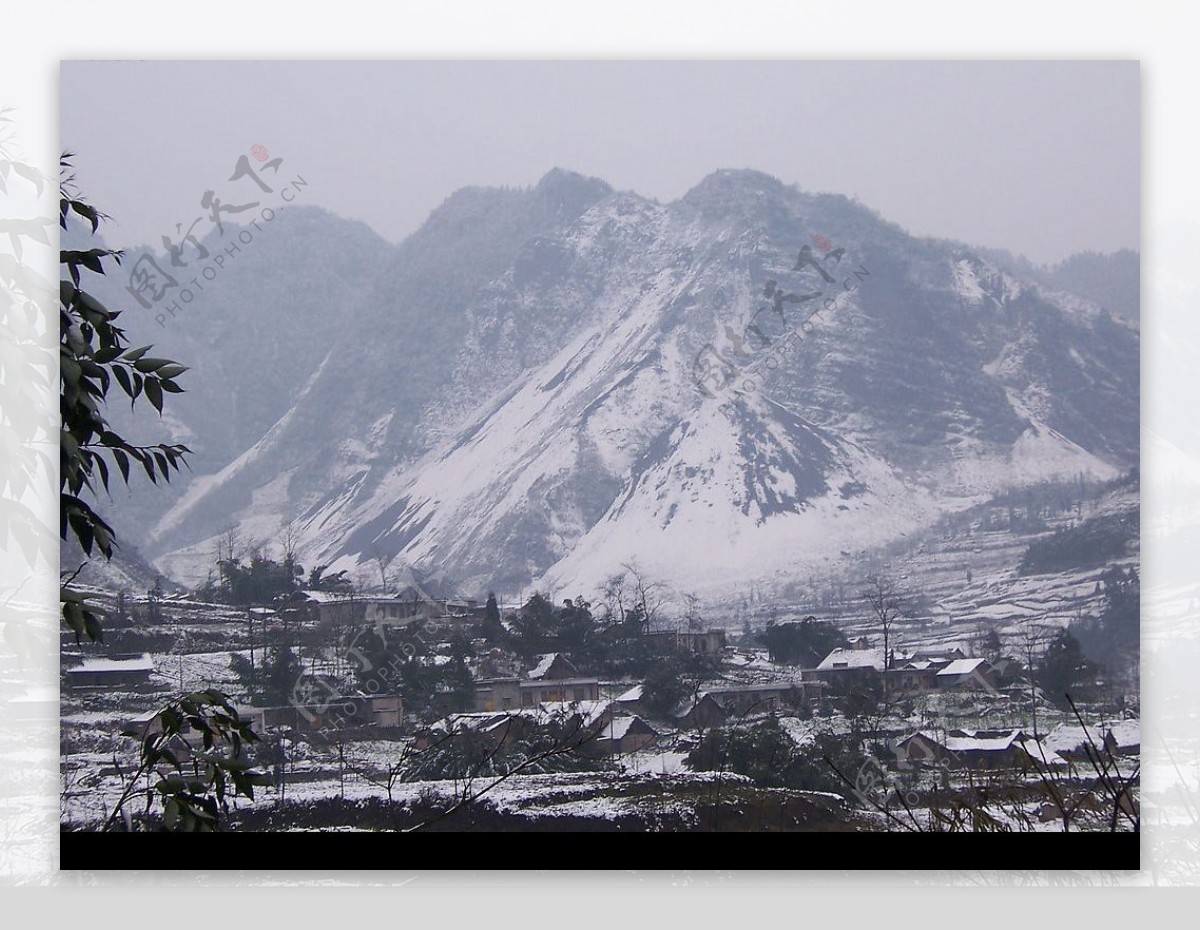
(553, 679)
(466, 608)
(582, 724)
(552, 665)
(630, 700)
(967, 675)
(121, 671)
(920, 672)
(624, 735)
(916, 676)
(588, 714)
(967, 749)
(697, 642)
(699, 713)
(851, 667)
(942, 656)
(355, 710)
(921, 749)
(496, 694)
(340, 609)
(567, 690)
(492, 729)
(767, 697)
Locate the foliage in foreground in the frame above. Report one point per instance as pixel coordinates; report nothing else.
(765, 753)
(93, 355)
(194, 782)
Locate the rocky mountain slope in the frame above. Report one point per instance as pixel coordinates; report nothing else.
(540, 385)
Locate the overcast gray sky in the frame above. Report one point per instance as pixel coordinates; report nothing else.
(1042, 158)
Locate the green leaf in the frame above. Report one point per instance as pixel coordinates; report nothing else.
(147, 365)
(148, 467)
(170, 813)
(91, 303)
(154, 393)
(123, 379)
(122, 461)
(87, 212)
(103, 469)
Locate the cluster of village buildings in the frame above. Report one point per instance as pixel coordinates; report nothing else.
(615, 715)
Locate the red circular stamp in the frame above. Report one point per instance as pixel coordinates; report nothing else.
(260, 152)
(822, 242)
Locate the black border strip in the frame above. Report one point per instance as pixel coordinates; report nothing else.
(867, 851)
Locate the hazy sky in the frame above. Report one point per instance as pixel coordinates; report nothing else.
(1037, 157)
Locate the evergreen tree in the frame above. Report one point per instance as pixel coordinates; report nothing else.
(805, 642)
(270, 684)
(493, 629)
(1064, 667)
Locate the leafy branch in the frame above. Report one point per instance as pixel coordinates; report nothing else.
(194, 785)
(93, 354)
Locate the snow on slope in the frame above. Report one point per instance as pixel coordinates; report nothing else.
(567, 438)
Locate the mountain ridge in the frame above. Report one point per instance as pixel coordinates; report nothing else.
(515, 401)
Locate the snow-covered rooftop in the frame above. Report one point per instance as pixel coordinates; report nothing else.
(543, 665)
(983, 743)
(852, 658)
(618, 727)
(324, 597)
(961, 667)
(142, 663)
(633, 694)
(589, 711)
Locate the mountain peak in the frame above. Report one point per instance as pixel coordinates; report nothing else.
(557, 178)
(735, 182)
(570, 190)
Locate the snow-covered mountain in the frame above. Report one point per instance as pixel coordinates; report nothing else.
(544, 384)
(251, 339)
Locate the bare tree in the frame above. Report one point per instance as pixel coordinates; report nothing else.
(648, 595)
(382, 560)
(228, 551)
(885, 604)
(1032, 643)
(615, 595)
(289, 542)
